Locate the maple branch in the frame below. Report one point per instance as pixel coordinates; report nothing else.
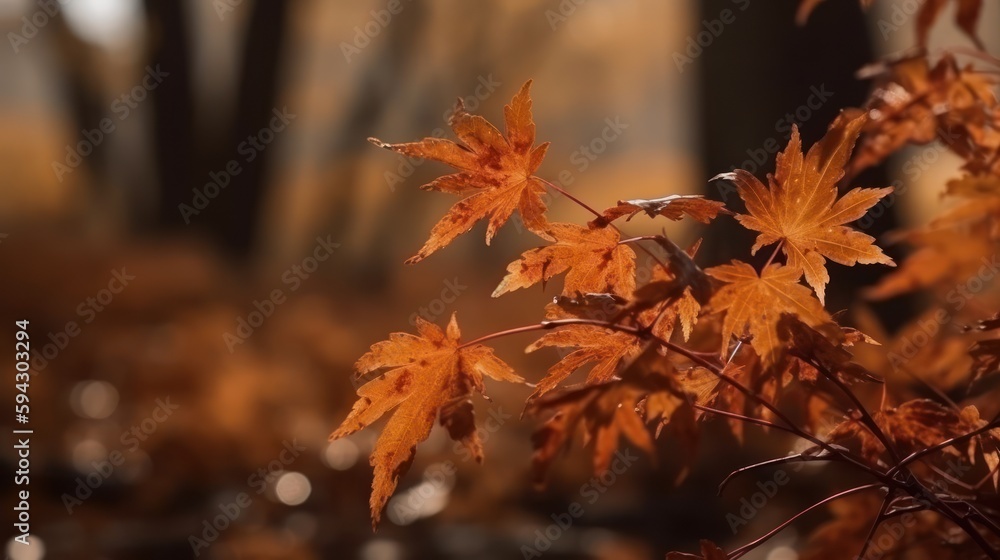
(911, 485)
(506, 332)
(719, 372)
(980, 54)
(875, 524)
(866, 418)
(590, 209)
(566, 193)
(989, 475)
(920, 493)
(982, 518)
(939, 446)
(964, 524)
(748, 419)
(771, 462)
(757, 542)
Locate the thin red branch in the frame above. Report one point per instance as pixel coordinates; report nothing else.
(757, 542)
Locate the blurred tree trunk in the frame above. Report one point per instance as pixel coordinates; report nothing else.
(231, 218)
(235, 219)
(173, 127)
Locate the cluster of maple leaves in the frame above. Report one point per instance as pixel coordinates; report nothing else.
(735, 340)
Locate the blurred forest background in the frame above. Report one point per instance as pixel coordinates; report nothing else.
(169, 166)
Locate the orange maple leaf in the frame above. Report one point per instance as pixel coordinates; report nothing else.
(672, 207)
(966, 16)
(605, 348)
(917, 102)
(496, 170)
(431, 376)
(801, 211)
(596, 262)
(755, 303)
(604, 414)
(912, 426)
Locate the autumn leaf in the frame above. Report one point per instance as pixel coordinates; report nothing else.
(604, 414)
(673, 207)
(912, 426)
(916, 102)
(430, 376)
(986, 353)
(496, 170)
(817, 350)
(596, 262)
(755, 303)
(944, 258)
(676, 292)
(602, 347)
(966, 16)
(673, 300)
(980, 205)
(800, 210)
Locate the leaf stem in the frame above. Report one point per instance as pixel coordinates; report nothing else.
(939, 446)
(771, 462)
(757, 542)
(566, 193)
(774, 253)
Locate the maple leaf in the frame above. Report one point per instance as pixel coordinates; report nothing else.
(912, 426)
(755, 304)
(801, 211)
(914, 102)
(676, 291)
(430, 376)
(966, 16)
(980, 206)
(603, 347)
(673, 301)
(944, 259)
(986, 353)
(816, 350)
(672, 207)
(604, 413)
(596, 262)
(496, 170)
